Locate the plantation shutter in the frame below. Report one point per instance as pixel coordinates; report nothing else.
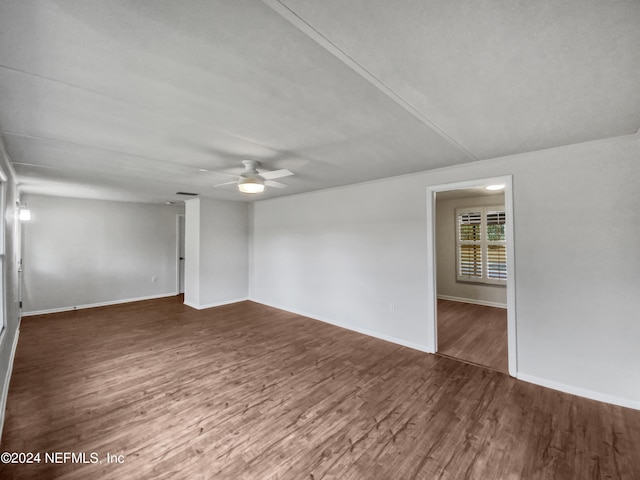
(481, 244)
(469, 245)
(495, 225)
(497, 262)
(496, 245)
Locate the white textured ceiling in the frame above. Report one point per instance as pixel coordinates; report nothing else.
(128, 100)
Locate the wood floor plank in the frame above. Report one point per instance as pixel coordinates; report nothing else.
(473, 333)
(245, 391)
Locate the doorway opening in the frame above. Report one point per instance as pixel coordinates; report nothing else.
(470, 259)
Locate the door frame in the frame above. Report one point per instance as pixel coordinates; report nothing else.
(178, 292)
(432, 291)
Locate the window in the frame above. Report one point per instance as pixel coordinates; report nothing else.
(481, 245)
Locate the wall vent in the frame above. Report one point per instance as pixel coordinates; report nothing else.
(188, 194)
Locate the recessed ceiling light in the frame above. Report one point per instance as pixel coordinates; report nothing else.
(203, 170)
(495, 187)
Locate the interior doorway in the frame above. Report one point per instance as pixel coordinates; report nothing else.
(471, 276)
(471, 292)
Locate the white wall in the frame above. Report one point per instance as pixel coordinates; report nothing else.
(448, 285)
(217, 241)
(192, 252)
(344, 255)
(84, 252)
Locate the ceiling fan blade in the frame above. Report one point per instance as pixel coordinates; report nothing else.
(276, 174)
(271, 183)
(35, 165)
(217, 172)
(226, 183)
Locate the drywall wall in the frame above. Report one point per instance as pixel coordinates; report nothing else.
(349, 256)
(10, 259)
(356, 256)
(192, 252)
(448, 285)
(217, 249)
(87, 252)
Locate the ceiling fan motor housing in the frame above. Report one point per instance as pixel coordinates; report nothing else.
(251, 166)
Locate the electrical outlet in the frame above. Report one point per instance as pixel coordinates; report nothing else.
(154, 278)
(392, 307)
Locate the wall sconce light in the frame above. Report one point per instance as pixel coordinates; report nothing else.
(24, 213)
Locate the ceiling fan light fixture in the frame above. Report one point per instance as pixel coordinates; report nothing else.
(252, 181)
(250, 184)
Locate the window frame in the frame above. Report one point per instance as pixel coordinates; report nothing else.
(483, 243)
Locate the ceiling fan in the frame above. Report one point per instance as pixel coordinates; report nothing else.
(252, 181)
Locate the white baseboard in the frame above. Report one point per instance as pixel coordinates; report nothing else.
(99, 304)
(473, 301)
(218, 304)
(581, 392)
(370, 333)
(7, 379)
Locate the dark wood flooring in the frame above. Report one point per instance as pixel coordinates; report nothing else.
(249, 392)
(473, 333)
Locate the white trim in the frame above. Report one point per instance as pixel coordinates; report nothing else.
(512, 338)
(178, 215)
(217, 304)
(364, 331)
(432, 292)
(7, 379)
(581, 392)
(473, 301)
(431, 263)
(99, 304)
